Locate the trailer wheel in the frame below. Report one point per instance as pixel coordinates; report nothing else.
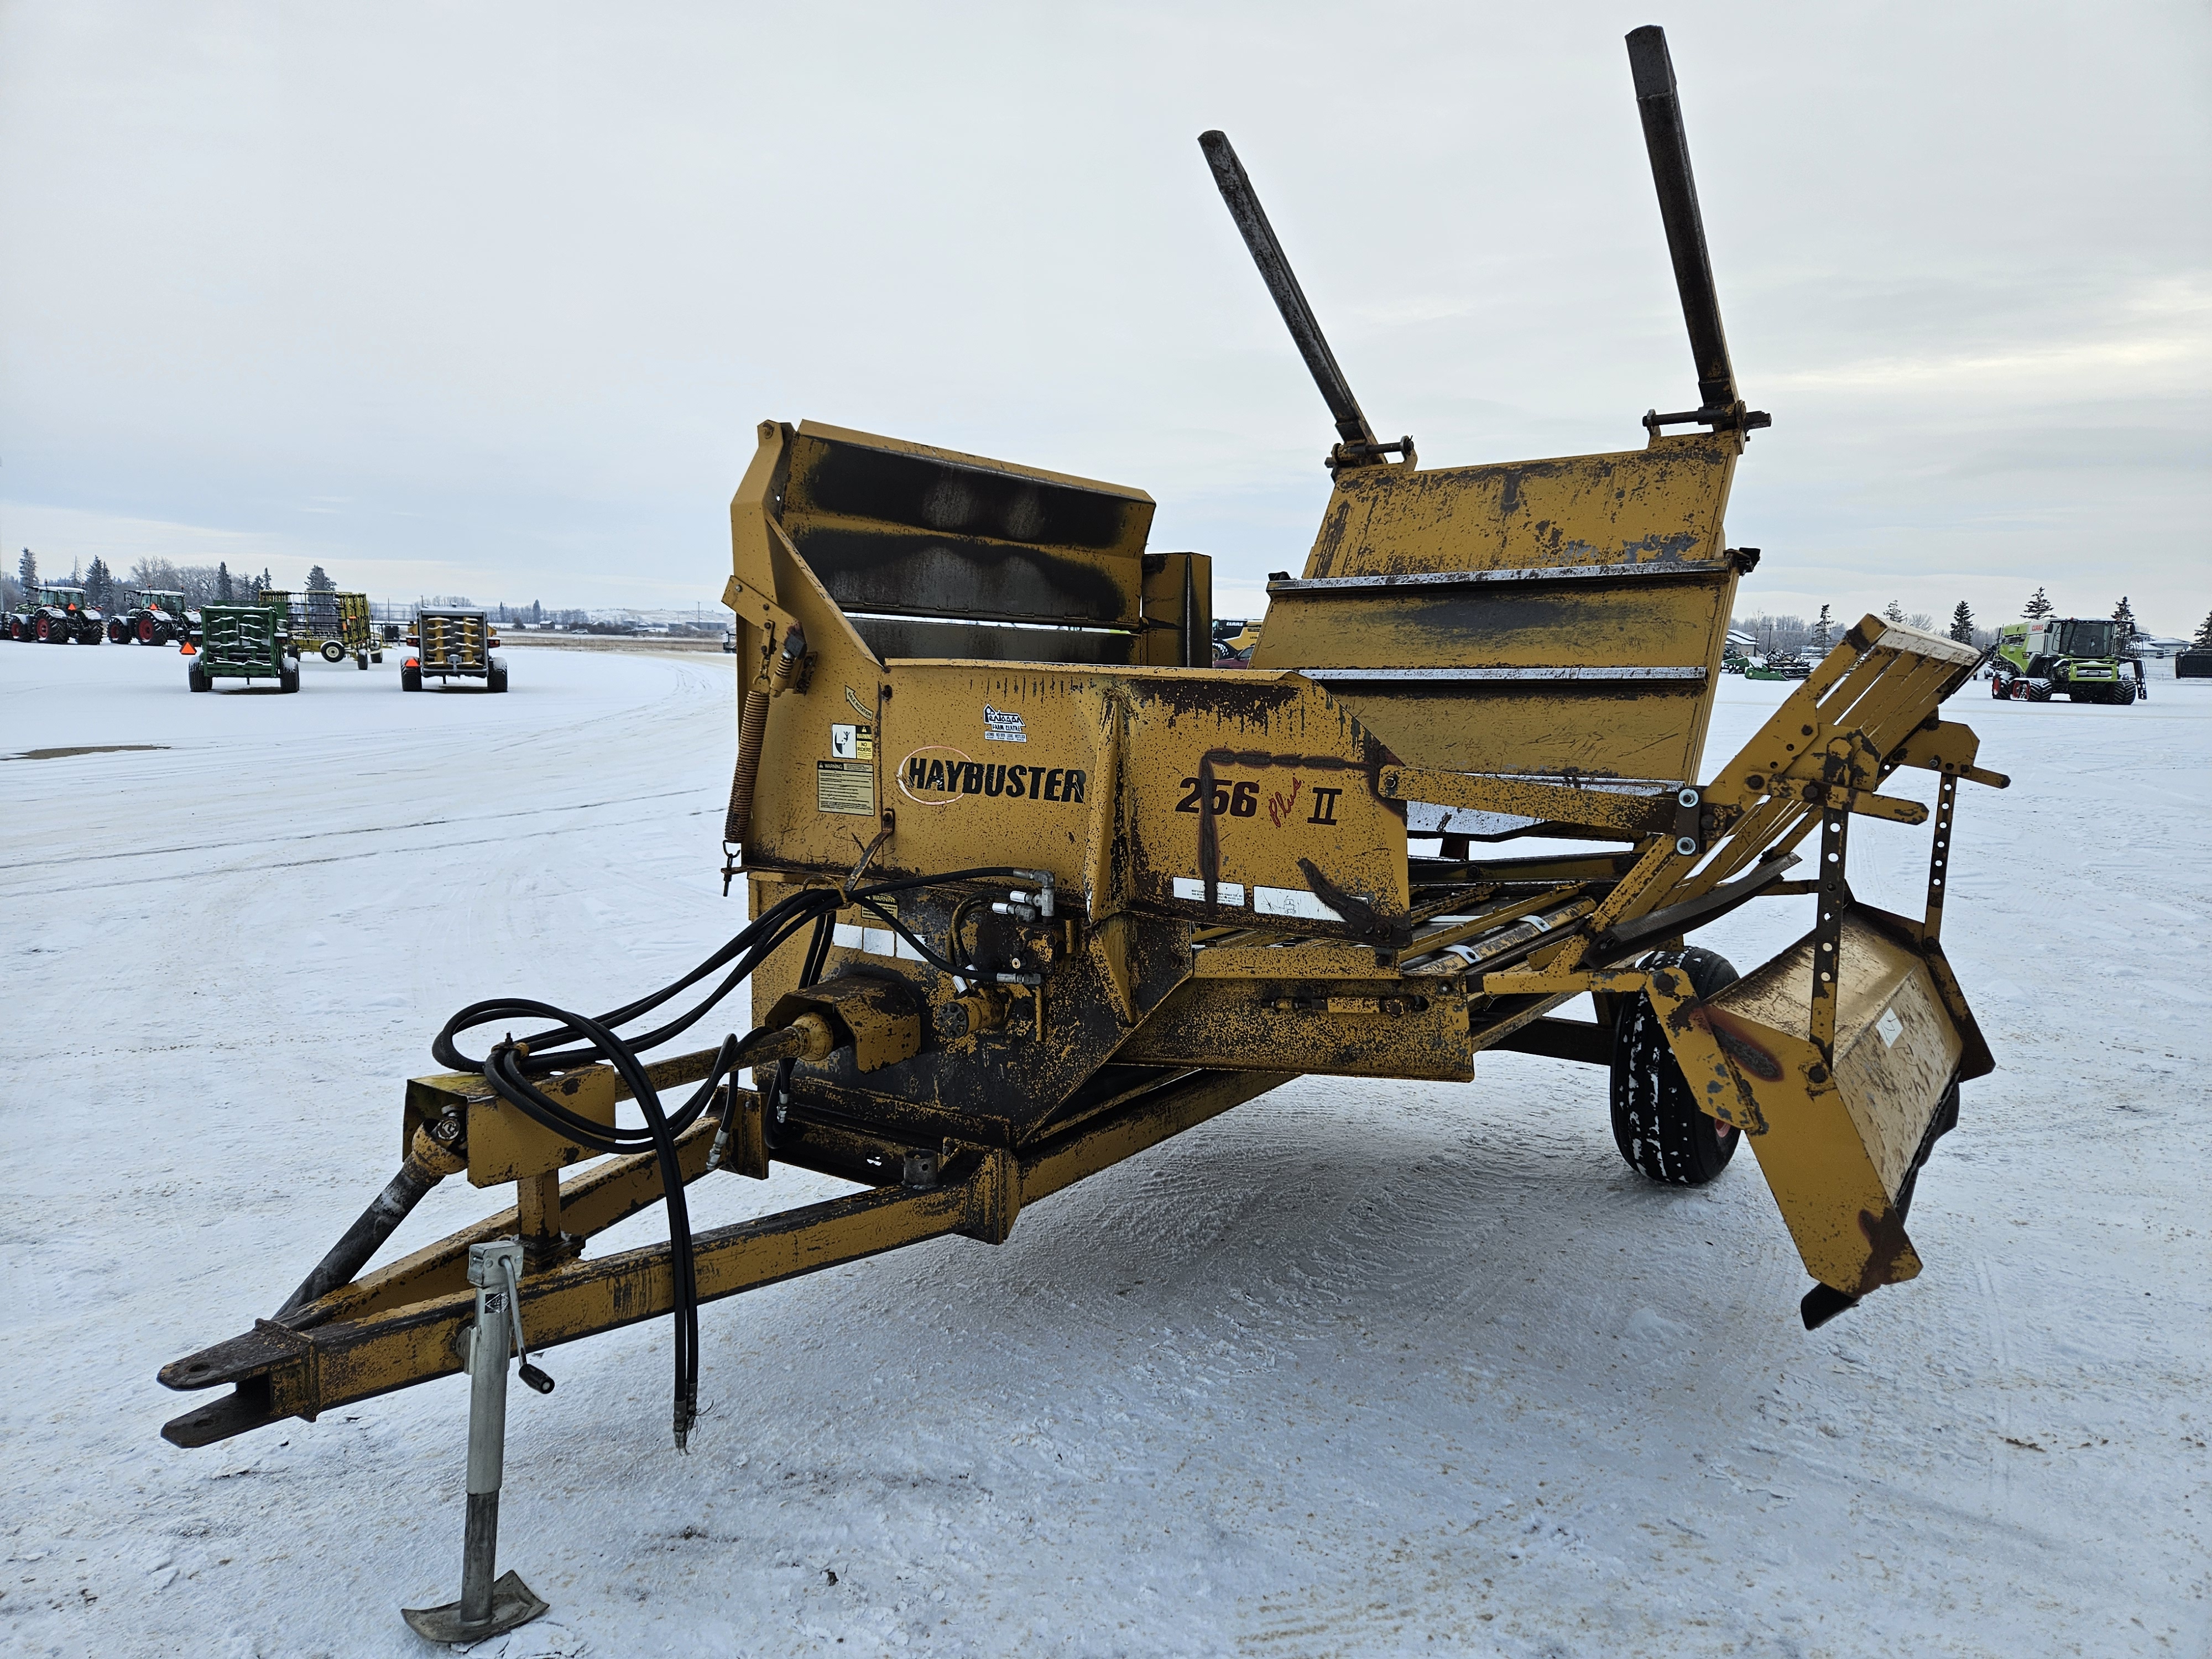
(410, 680)
(288, 674)
(495, 676)
(1656, 1120)
(195, 676)
(333, 651)
(376, 656)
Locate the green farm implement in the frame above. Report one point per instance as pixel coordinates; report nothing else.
(246, 642)
(334, 625)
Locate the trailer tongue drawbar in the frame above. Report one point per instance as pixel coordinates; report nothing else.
(1199, 884)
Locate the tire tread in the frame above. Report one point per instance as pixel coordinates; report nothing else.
(1656, 1124)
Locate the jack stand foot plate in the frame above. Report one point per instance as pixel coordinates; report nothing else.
(512, 1603)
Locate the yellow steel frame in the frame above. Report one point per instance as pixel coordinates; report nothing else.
(403, 1324)
(948, 662)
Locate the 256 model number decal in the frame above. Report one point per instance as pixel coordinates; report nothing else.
(1239, 798)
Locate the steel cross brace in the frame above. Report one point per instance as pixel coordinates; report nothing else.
(280, 1371)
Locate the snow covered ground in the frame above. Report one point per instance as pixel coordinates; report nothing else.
(1361, 1368)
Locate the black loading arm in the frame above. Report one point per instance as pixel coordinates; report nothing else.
(1357, 446)
(1661, 106)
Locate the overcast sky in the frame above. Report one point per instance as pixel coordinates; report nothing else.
(488, 298)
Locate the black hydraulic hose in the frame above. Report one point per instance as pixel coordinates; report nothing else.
(889, 919)
(573, 1040)
(503, 1071)
(755, 943)
(809, 973)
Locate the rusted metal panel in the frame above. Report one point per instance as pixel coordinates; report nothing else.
(1664, 502)
(1004, 1083)
(1438, 581)
(1336, 1027)
(502, 1144)
(1256, 797)
(1597, 624)
(890, 637)
(1896, 1046)
(906, 529)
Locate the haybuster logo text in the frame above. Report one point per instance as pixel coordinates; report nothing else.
(938, 776)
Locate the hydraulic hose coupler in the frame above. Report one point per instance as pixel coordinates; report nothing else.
(810, 1036)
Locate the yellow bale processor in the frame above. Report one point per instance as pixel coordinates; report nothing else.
(1032, 889)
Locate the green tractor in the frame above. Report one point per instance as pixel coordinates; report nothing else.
(246, 642)
(2075, 657)
(156, 617)
(56, 616)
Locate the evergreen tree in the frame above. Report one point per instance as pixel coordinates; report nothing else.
(2038, 607)
(2124, 618)
(95, 584)
(1962, 624)
(1894, 611)
(2204, 640)
(223, 582)
(1823, 630)
(27, 570)
(319, 582)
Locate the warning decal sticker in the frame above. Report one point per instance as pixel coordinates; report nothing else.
(845, 786)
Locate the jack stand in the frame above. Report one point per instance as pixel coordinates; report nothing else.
(486, 1607)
